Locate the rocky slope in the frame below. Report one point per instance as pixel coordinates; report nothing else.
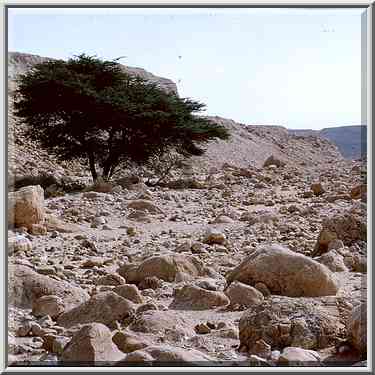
(350, 140)
(253, 144)
(256, 257)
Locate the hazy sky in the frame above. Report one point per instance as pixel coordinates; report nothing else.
(298, 68)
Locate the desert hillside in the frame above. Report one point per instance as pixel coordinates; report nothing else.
(350, 140)
(250, 145)
(255, 254)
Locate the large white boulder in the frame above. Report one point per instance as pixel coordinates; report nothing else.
(285, 272)
(26, 207)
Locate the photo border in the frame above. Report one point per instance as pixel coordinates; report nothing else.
(367, 92)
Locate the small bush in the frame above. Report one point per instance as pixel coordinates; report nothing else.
(55, 194)
(162, 166)
(71, 185)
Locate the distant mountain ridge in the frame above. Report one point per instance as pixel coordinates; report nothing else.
(350, 140)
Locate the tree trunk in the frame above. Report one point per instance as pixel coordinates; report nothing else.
(106, 171)
(113, 169)
(109, 167)
(110, 160)
(92, 166)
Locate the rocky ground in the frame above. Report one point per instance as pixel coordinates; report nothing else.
(168, 270)
(255, 256)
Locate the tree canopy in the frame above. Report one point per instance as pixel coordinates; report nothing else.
(90, 108)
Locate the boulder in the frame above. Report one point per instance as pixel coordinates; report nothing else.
(214, 236)
(129, 271)
(26, 286)
(359, 263)
(128, 342)
(168, 354)
(48, 305)
(357, 327)
(136, 357)
(105, 308)
(111, 279)
(285, 272)
(335, 245)
(209, 284)
(292, 356)
(272, 160)
(192, 297)
(262, 349)
(165, 267)
(243, 295)
(359, 192)
(52, 223)
(263, 289)
(348, 227)
(152, 282)
(92, 344)
(222, 219)
(147, 307)
(202, 328)
(93, 262)
(144, 205)
(160, 322)
(59, 344)
(333, 260)
(130, 292)
(26, 207)
(324, 239)
(285, 321)
(48, 341)
(19, 243)
(317, 188)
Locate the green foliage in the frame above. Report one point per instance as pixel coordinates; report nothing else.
(162, 166)
(89, 108)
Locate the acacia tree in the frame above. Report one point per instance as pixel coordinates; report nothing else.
(89, 108)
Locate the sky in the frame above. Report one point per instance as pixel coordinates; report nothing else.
(298, 68)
